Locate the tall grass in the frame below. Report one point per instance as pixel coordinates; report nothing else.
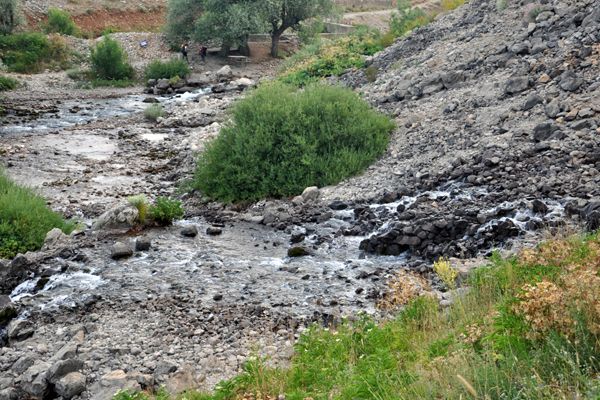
(24, 219)
(8, 83)
(282, 140)
(167, 69)
(494, 342)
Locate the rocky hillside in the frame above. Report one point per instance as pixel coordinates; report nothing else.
(499, 107)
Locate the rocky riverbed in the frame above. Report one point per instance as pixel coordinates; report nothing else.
(496, 146)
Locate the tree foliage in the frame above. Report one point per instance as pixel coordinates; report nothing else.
(181, 19)
(109, 61)
(9, 16)
(284, 14)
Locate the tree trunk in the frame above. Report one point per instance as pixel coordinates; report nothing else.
(275, 36)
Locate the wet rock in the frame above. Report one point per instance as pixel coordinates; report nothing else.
(119, 217)
(311, 194)
(189, 231)
(143, 243)
(70, 385)
(151, 100)
(19, 330)
(121, 250)
(297, 251)
(214, 231)
(338, 205)
(539, 207)
(19, 262)
(7, 310)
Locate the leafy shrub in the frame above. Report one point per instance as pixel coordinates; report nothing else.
(60, 21)
(33, 52)
(140, 202)
(153, 112)
(446, 272)
(109, 61)
(165, 210)
(309, 30)
(281, 141)
(9, 16)
(8, 83)
(24, 219)
(371, 73)
(167, 70)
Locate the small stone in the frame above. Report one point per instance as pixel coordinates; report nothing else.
(189, 231)
(121, 250)
(544, 78)
(570, 82)
(218, 297)
(338, 205)
(311, 194)
(516, 85)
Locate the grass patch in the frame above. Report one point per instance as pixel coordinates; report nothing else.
(282, 140)
(24, 219)
(167, 69)
(165, 210)
(153, 112)
(448, 5)
(528, 328)
(8, 83)
(33, 52)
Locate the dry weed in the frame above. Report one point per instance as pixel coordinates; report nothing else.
(402, 288)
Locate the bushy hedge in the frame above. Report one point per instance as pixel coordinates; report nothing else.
(24, 219)
(167, 69)
(7, 83)
(33, 52)
(282, 140)
(60, 21)
(109, 61)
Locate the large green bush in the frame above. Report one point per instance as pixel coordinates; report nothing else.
(9, 16)
(109, 61)
(60, 21)
(167, 69)
(24, 219)
(282, 140)
(33, 52)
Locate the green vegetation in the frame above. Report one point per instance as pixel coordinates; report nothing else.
(165, 210)
(408, 18)
(326, 58)
(33, 52)
(282, 140)
(181, 19)
(9, 16)
(528, 328)
(24, 219)
(140, 202)
(60, 21)
(109, 62)
(153, 112)
(8, 83)
(167, 69)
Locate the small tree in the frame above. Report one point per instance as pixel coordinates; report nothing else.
(284, 14)
(60, 21)
(181, 19)
(109, 61)
(9, 16)
(229, 22)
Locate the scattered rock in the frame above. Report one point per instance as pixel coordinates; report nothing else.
(189, 231)
(143, 243)
(70, 385)
(213, 231)
(19, 330)
(119, 217)
(298, 251)
(7, 310)
(311, 194)
(121, 250)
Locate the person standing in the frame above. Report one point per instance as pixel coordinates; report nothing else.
(203, 51)
(184, 52)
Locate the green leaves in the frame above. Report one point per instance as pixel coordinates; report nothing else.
(109, 61)
(281, 141)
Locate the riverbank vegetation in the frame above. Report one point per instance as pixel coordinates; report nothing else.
(34, 52)
(8, 83)
(282, 140)
(523, 327)
(24, 219)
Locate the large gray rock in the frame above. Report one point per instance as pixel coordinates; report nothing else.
(70, 385)
(23, 364)
(113, 382)
(9, 394)
(120, 217)
(516, 85)
(63, 368)
(121, 250)
(55, 238)
(570, 82)
(20, 330)
(225, 72)
(34, 382)
(311, 194)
